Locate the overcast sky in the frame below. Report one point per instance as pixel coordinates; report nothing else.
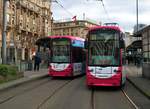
(120, 11)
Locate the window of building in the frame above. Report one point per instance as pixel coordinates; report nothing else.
(149, 36)
(146, 46)
(19, 53)
(145, 42)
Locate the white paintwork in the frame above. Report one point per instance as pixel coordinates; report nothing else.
(103, 72)
(59, 66)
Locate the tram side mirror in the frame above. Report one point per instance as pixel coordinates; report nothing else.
(122, 44)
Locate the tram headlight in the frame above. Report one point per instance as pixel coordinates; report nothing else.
(117, 71)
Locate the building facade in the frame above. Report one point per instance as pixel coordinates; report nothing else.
(74, 28)
(128, 39)
(27, 21)
(145, 35)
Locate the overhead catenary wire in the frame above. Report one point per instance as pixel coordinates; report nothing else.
(56, 1)
(105, 9)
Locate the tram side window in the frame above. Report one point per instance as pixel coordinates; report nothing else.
(77, 54)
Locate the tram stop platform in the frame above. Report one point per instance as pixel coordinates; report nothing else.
(28, 76)
(134, 76)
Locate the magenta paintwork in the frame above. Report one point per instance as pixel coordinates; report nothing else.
(64, 73)
(69, 70)
(115, 80)
(107, 27)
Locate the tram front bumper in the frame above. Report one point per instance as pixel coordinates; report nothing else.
(113, 81)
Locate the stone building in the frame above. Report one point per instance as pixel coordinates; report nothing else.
(27, 21)
(74, 28)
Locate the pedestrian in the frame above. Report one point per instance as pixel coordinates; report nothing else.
(139, 59)
(14, 59)
(37, 61)
(129, 59)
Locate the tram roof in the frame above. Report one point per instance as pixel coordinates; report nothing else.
(107, 27)
(68, 37)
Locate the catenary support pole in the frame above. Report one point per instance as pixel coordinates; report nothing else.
(4, 32)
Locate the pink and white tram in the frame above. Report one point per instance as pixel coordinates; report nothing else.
(105, 60)
(67, 56)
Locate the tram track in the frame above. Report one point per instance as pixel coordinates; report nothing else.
(129, 99)
(34, 98)
(54, 92)
(26, 90)
(97, 97)
(92, 99)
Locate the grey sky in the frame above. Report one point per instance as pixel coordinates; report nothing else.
(120, 11)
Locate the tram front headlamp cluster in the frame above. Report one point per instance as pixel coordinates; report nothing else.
(116, 71)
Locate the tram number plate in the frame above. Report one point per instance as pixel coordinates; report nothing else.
(98, 71)
(59, 66)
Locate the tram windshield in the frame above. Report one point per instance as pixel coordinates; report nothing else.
(104, 48)
(60, 51)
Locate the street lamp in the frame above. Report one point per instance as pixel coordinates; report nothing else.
(137, 16)
(4, 32)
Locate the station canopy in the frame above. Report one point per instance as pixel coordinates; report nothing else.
(135, 45)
